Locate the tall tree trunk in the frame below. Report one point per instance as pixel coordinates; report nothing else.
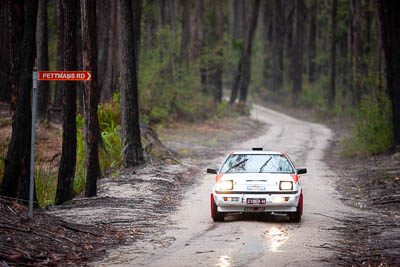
(58, 95)
(15, 31)
(389, 22)
(66, 172)
(4, 53)
(350, 41)
(42, 60)
(267, 30)
(298, 50)
(240, 25)
(132, 153)
(17, 171)
(278, 47)
(380, 55)
(108, 84)
(332, 87)
(216, 69)
(312, 42)
(103, 8)
(186, 27)
(197, 31)
(356, 52)
(91, 97)
(150, 23)
(137, 17)
(166, 13)
(243, 74)
(289, 29)
(199, 42)
(368, 23)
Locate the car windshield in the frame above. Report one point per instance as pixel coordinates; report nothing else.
(261, 163)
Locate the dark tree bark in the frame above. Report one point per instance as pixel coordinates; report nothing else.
(132, 153)
(298, 50)
(267, 39)
(150, 23)
(216, 70)
(91, 97)
(15, 31)
(197, 30)
(278, 45)
(166, 13)
(239, 19)
(108, 79)
(243, 74)
(137, 17)
(42, 60)
(368, 14)
(198, 42)
(66, 172)
(356, 51)
(58, 95)
(289, 29)
(4, 53)
(186, 27)
(312, 43)
(103, 14)
(332, 86)
(79, 65)
(17, 171)
(379, 50)
(389, 22)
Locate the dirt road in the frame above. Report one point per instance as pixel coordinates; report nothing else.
(195, 240)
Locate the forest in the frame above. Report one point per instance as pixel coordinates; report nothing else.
(155, 62)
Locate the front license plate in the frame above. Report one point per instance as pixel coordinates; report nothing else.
(256, 201)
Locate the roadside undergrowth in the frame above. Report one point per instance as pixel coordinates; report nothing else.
(371, 132)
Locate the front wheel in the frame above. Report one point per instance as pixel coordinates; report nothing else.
(296, 216)
(215, 215)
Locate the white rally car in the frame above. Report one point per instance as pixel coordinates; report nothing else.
(257, 181)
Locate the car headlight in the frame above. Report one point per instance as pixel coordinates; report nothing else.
(286, 185)
(225, 185)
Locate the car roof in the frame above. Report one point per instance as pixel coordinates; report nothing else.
(255, 152)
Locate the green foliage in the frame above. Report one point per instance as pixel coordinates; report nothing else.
(168, 90)
(110, 154)
(373, 129)
(80, 171)
(109, 115)
(45, 183)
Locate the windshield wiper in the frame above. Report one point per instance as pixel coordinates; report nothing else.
(237, 165)
(265, 164)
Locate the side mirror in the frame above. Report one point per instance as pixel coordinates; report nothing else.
(212, 171)
(301, 171)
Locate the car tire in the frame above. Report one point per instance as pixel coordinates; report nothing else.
(216, 216)
(296, 216)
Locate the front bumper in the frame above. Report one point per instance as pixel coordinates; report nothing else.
(274, 201)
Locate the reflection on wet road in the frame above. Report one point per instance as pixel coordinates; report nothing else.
(224, 261)
(277, 236)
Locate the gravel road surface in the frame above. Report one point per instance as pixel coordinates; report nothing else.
(195, 240)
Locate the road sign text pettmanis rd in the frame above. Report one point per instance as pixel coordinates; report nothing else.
(65, 75)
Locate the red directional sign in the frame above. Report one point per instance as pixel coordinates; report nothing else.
(65, 75)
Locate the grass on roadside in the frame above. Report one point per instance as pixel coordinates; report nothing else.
(372, 131)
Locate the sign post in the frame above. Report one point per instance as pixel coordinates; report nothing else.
(32, 167)
(47, 76)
